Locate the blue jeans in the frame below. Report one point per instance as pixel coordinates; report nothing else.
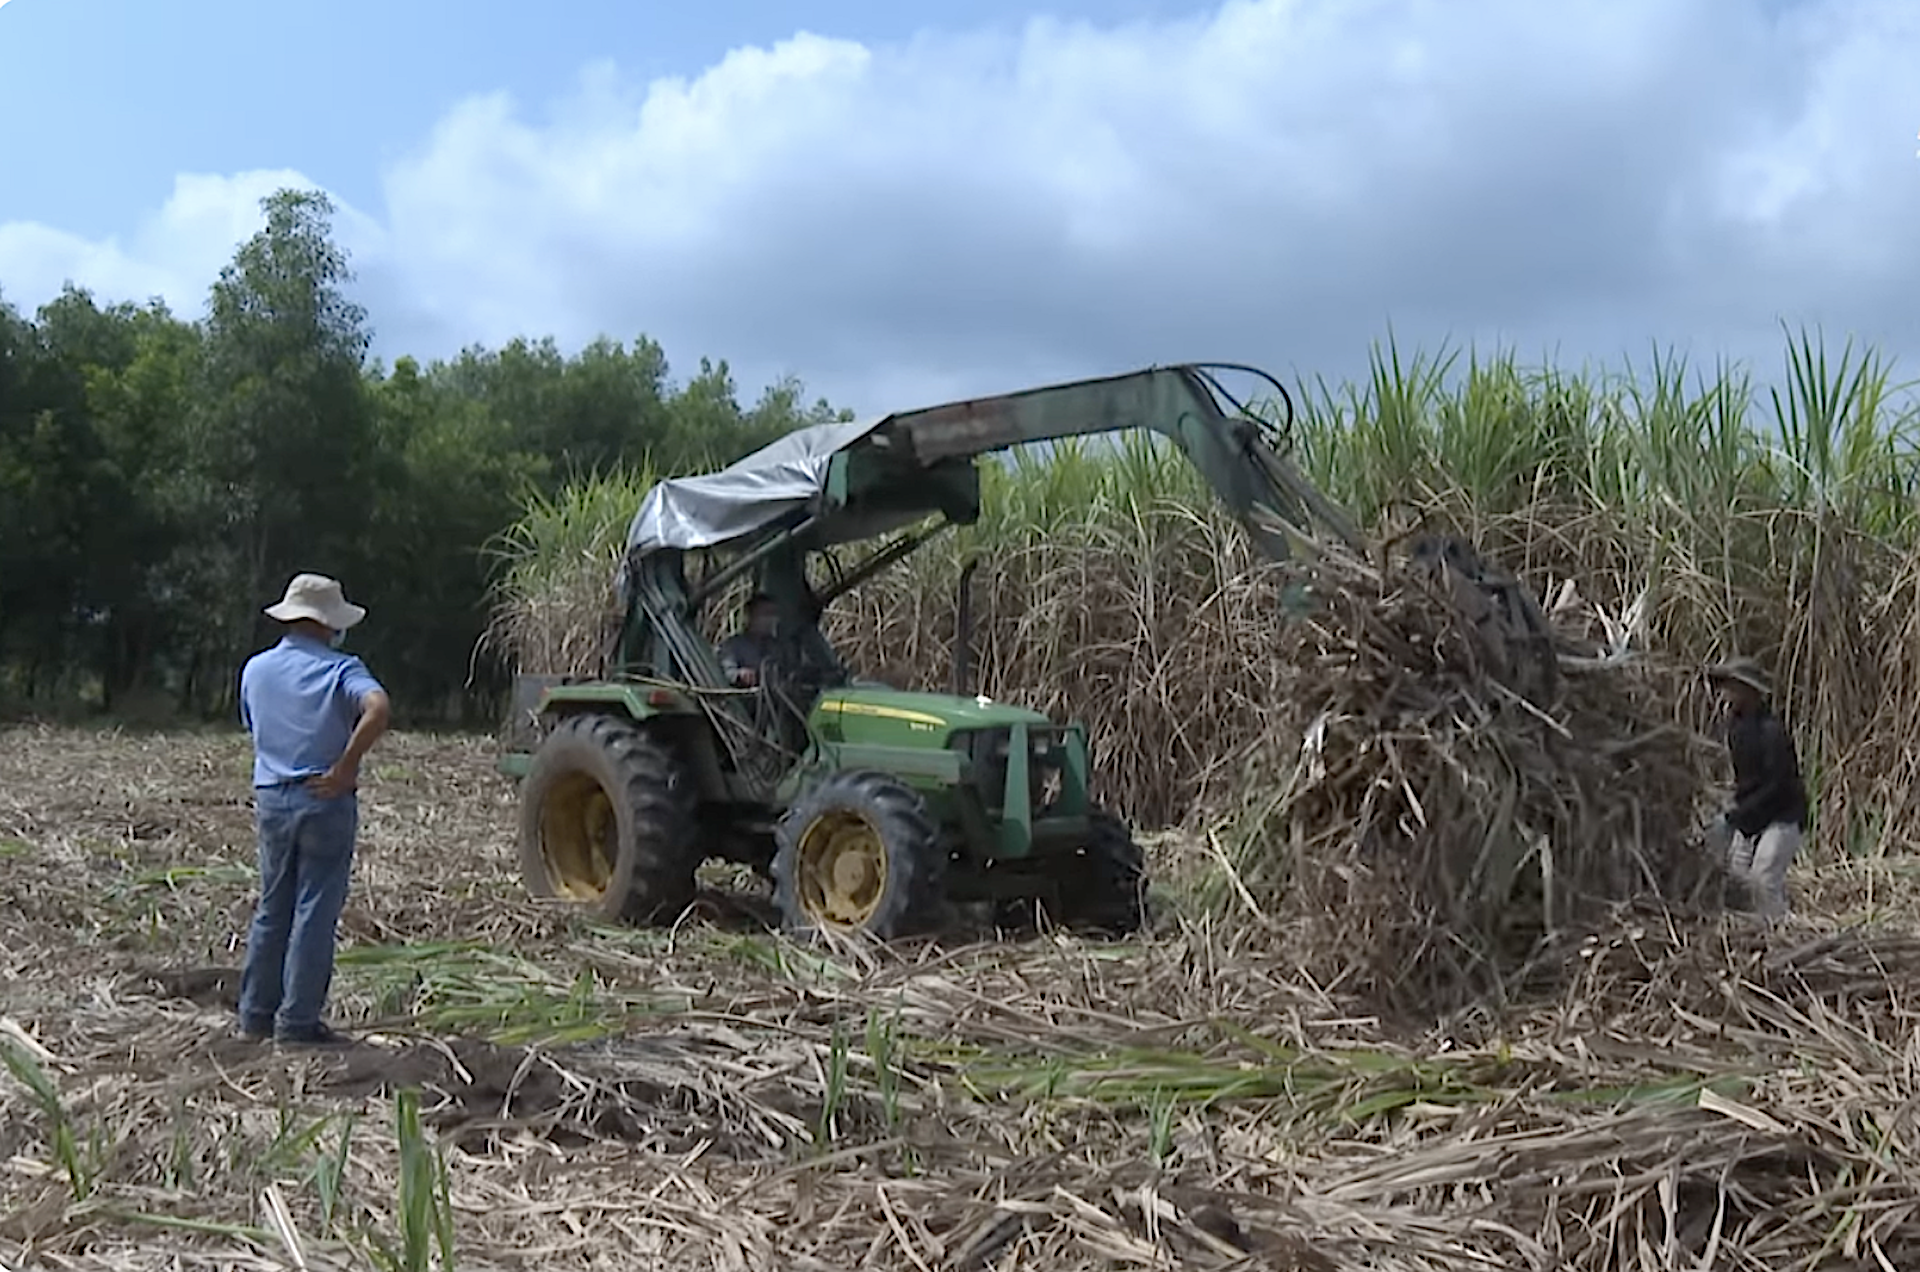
(306, 860)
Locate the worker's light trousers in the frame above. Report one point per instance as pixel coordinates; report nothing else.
(306, 861)
(1759, 863)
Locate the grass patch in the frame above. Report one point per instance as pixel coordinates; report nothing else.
(471, 988)
(76, 1150)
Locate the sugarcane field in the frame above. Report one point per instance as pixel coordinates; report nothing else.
(1088, 636)
(1439, 965)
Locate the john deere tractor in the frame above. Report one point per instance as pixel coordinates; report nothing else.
(870, 807)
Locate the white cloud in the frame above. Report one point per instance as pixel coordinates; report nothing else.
(174, 254)
(1274, 182)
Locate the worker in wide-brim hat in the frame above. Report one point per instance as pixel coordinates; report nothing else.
(314, 712)
(1768, 819)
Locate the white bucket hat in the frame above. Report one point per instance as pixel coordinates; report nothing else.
(319, 598)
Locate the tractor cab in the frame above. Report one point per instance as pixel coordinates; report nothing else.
(699, 546)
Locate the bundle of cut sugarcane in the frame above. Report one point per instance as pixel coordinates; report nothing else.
(1432, 803)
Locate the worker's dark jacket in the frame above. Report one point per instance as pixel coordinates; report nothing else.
(742, 651)
(1766, 773)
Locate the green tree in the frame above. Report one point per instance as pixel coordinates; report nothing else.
(449, 478)
(283, 441)
(160, 478)
(144, 520)
(48, 456)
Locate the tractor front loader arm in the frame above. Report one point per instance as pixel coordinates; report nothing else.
(1244, 459)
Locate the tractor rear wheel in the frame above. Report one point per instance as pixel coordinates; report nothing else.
(1102, 887)
(857, 852)
(606, 820)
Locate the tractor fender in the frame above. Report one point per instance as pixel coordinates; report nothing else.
(540, 702)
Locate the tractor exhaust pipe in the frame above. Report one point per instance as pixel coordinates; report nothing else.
(963, 631)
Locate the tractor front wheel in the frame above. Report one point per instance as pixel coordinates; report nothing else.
(857, 852)
(606, 821)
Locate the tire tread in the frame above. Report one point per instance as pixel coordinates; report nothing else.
(913, 851)
(643, 775)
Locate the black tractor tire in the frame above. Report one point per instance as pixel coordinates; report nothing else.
(606, 820)
(1102, 886)
(888, 872)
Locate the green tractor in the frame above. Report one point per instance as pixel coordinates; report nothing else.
(871, 808)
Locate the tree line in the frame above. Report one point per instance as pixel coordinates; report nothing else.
(161, 478)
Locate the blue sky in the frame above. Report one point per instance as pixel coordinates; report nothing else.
(126, 93)
(897, 202)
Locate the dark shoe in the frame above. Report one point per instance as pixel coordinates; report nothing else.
(248, 1032)
(312, 1036)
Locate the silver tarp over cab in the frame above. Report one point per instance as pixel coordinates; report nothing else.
(747, 495)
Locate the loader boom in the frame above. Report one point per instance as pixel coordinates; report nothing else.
(1240, 456)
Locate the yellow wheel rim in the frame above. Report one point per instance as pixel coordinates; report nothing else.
(842, 868)
(579, 838)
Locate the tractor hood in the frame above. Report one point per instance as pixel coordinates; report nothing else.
(918, 719)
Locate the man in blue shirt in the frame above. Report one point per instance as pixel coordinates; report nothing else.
(314, 713)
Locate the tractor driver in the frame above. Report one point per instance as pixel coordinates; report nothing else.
(742, 654)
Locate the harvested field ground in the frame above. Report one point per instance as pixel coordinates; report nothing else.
(1701, 1096)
